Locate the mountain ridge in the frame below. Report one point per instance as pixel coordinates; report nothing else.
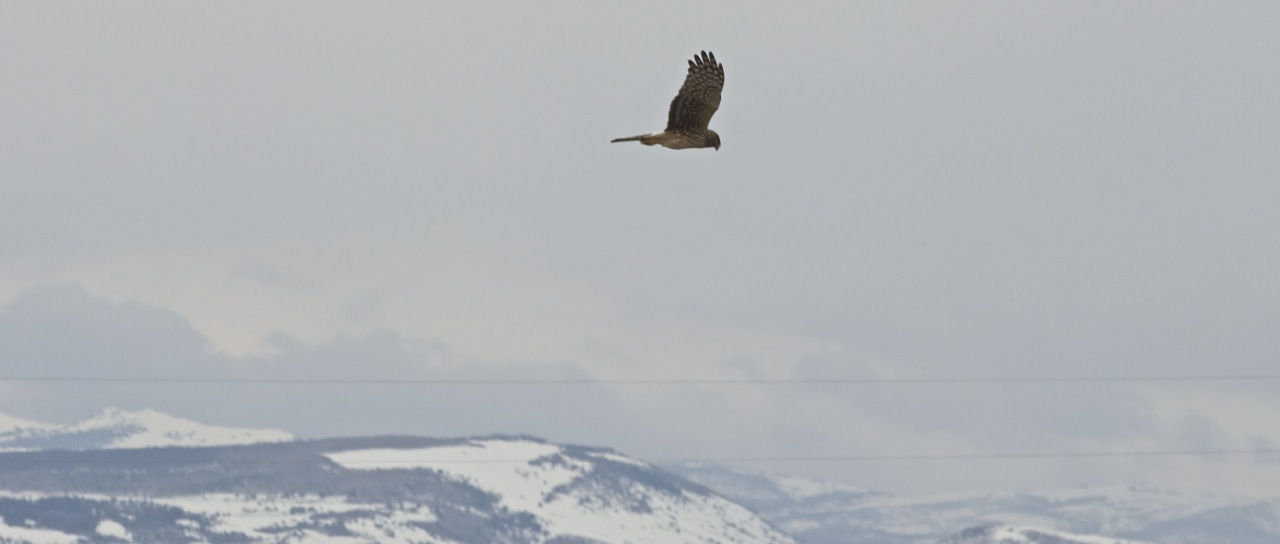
(148, 476)
(114, 428)
(396, 489)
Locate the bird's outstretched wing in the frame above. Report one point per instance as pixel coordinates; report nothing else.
(699, 97)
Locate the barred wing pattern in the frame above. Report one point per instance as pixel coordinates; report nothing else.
(699, 97)
(691, 110)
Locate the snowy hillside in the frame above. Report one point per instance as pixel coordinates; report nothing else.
(380, 489)
(578, 493)
(115, 428)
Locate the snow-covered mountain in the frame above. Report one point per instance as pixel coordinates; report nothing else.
(496, 489)
(149, 477)
(816, 513)
(115, 428)
(571, 492)
(10, 423)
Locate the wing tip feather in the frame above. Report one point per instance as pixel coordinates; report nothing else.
(705, 58)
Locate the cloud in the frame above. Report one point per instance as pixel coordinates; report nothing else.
(63, 331)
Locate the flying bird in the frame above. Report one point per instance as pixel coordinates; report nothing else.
(691, 109)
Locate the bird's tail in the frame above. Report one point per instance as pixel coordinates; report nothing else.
(628, 139)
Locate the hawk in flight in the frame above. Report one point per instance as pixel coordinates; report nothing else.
(691, 109)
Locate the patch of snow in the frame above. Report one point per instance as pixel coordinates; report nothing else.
(397, 527)
(691, 518)
(248, 514)
(10, 423)
(260, 517)
(12, 533)
(155, 429)
(113, 529)
(618, 458)
(1032, 535)
(314, 537)
(502, 467)
(448, 458)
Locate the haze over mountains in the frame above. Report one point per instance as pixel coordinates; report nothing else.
(146, 476)
(817, 512)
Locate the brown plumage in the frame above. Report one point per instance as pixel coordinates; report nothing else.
(691, 109)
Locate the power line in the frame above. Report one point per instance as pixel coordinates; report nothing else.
(642, 382)
(870, 458)
(980, 456)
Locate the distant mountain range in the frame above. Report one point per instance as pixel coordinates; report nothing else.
(145, 476)
(820, 513)
(1027, 535)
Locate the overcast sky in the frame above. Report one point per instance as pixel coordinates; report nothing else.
(426, 191)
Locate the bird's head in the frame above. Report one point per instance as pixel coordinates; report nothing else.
(713, 139)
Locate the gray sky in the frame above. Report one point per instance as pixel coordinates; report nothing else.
(423, 191)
